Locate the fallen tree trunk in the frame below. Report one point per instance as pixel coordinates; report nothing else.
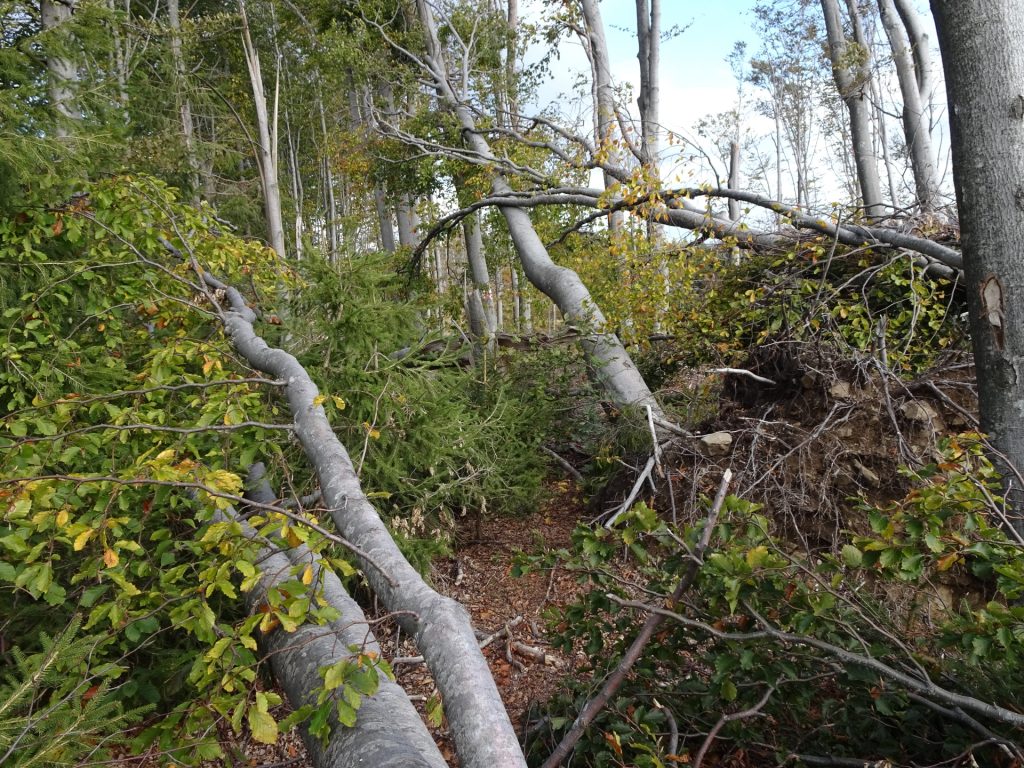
(480, 728)
(851, 234)
(389, 732)
(611, 363)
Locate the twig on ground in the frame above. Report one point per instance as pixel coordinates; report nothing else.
(614, 680)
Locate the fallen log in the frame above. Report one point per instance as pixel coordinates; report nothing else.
(389, 731)
(479, 725)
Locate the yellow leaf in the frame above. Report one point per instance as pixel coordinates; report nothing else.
(82, 539)
(319, 400)
(946, 562)
(307, 575)
(339, 402)
(110, 558)
(292, 538)
(263, 726)
(62, 518)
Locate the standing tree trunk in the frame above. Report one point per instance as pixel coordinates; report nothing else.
(852, 73)
(267, 149)
(734, 178)
(478, 272)
(984, 66)
(915, 120)
(60, 69)
(604, 97)
(181, 95)
(405, 212)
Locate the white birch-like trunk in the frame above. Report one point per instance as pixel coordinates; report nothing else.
(915, 118)
(266, 151)
(61, 71)
(852, 73)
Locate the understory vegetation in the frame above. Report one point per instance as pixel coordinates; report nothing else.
(809, 630)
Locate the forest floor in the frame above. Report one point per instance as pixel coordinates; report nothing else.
(507, 610)
(809, 452)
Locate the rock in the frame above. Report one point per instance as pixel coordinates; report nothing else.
(841, 390)
(919, 410)
(716, 444)
(868, 475)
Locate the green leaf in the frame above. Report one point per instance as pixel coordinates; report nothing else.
(852, 556)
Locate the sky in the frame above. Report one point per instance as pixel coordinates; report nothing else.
(696, 79)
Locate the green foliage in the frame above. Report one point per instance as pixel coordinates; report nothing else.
(52, 715)
(885, 598)
(126, 419)
(433, 441)
(717, 310)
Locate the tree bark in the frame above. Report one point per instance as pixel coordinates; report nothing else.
(407, 222)
(387, 228)
(388, 730)
(479, 724)
(984, 66)
(852, 73)
(612, 365)
(605, 139)
(915, 120)
(266, 151)
(184, 103)
(478, 272)
(60, 69)
(734, 179)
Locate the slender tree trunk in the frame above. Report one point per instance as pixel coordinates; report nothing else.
(983, 61)
(612, 365)
(734, 178)
(920, 48)
(407, 222)
(605, 138)
(517, 314)
(915, 120)
(512, 63)
(527, 311)
(60, 69)
(499, 306)
(478, 271)
(181, 95)
(852, 73)
(267, 149)
(330, 202)
(387, 229)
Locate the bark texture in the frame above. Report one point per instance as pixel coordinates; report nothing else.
(389, 731)
(915, 120)
(479, 724)
(266, 150)
(60, 68)
(983, 61)
(604, 97)
(852, 74)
